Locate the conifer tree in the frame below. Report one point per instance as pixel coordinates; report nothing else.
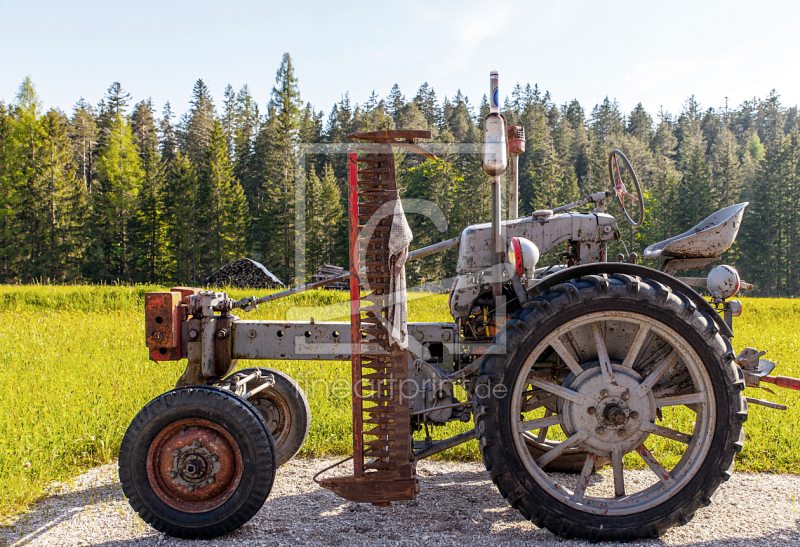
(664, 141)
(791, 220)
(324, 216)
(663, 210)
(166, 131)
(459, 120)
(246, 125)
(149, 246)
(412, 118)
(28, 147)
(425, 99)
(395, 103)
(182, 202)
(8, 178)
(83, 131)
(217, 175)
(277, 215)
(234, 225)
(727, 180)
(196, 126)
(640, 124)
(64, 199)
(606, 119)
(229, 116)
(119, 180)
(114, 103)
(694, 193)
(117, 100)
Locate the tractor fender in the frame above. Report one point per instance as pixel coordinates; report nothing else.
(611, 268)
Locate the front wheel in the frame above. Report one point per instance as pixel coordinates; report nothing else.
(624, 372)
(197, 462)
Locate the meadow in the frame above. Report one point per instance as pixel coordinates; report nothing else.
(74, 371)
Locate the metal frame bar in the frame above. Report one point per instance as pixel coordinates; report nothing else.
(323, 340)
(355, 317)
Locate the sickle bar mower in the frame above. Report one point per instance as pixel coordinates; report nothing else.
(383, 465)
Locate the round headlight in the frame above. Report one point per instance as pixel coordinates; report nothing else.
(523, 254)
(723, 281)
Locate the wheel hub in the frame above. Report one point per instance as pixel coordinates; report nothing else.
(194, 465)
(615, 414)
(276, 413)
(612, 413)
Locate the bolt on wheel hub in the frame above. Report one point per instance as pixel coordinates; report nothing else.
(194, 465)
(611, 413)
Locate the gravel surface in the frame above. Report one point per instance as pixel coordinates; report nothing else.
(457, 505)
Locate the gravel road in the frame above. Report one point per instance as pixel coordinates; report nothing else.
(457, 505)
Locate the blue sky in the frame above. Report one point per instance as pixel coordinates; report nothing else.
(657, 53)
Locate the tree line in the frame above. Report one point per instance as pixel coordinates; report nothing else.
(122, 192)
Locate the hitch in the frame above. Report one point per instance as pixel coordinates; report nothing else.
(756, 370)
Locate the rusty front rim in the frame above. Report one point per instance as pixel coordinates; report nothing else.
(194, 465)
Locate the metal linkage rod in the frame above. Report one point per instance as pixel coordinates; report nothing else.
(435, 248)
(302, 288)
(441, 446)
(248, 302)
(591, 199)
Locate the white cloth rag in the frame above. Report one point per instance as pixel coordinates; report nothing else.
(399, 240)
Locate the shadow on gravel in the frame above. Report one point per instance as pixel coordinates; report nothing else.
(54, 510)
(453, 508)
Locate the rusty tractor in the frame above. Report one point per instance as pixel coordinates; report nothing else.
(564, 369)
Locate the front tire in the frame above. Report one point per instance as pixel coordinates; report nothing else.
(197, 462)
(595, 362)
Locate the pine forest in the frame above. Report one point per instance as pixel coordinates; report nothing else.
(126, 191)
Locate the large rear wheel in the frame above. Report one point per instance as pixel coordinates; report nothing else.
(613, 370)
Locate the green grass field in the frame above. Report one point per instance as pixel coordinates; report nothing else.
(74, 371)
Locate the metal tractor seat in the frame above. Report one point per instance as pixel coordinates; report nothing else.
(709, 239)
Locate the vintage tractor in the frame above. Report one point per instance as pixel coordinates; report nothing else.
(566, 369)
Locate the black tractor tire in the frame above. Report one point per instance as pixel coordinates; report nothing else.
(532, 324)
(238, 460)
(285, 410)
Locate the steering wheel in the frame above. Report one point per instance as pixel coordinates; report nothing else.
(620, 191)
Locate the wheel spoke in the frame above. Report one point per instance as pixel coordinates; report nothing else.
(651, 461)
(619, 477)
(636, 346)
(559, 449)
(602, 353)
(583, 481)
(556, 389)
(542, 436)
(538, 403)
(566, 356)
(666, 432)
(539, 423)
(688, 399)
(655, 376)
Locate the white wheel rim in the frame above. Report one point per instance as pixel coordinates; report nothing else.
(628, 326)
